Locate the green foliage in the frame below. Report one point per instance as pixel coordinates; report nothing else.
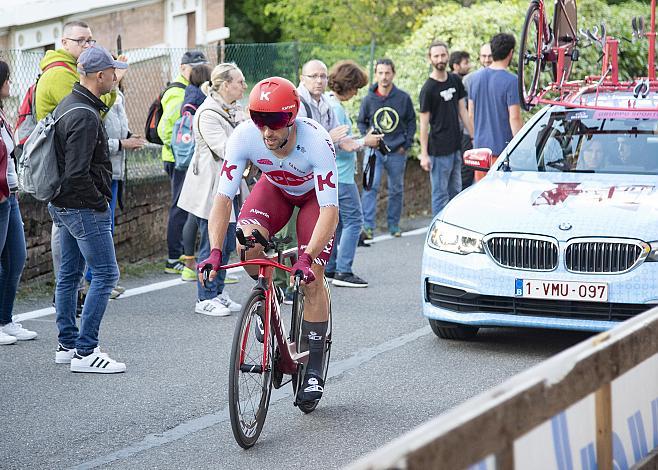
(354, 22)
(248, 24)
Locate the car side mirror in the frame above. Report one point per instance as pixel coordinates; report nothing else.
(478, 159)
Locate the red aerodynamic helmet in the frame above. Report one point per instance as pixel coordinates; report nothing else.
(274, 102)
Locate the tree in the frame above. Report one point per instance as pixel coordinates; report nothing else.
(354, 22)
(249, 24)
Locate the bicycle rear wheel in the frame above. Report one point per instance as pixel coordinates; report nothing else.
(531, 58)
(565, 25)
(250, 381)
(302, 345)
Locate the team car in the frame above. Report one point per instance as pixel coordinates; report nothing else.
(562, 233)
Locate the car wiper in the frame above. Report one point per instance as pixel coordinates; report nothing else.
(581, 171)
(560, 164)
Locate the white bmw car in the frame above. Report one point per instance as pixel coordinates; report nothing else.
(562, 232)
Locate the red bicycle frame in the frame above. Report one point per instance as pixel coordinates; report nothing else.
(289, 357)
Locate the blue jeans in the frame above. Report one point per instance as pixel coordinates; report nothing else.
(177, 216)
(395, 165)
(215, 287)
(349, 228)
(446, 179)
(113, 206)
(12, 255)
(86, 237)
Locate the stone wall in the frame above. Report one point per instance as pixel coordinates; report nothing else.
(140, 232)
(141, 227)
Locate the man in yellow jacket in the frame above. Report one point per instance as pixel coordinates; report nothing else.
(172, 101)
(57, 82)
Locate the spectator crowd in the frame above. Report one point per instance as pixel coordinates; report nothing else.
(80, 90)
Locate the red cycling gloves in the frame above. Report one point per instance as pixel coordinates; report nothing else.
(303, 265)
(214, 261)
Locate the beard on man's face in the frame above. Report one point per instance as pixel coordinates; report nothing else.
(440, 66)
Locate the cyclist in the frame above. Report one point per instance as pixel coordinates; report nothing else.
(298, 161)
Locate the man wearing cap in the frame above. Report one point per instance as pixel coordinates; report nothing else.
(172, 100)
(82, 213)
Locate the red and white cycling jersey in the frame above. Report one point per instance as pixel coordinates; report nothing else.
(310, 166)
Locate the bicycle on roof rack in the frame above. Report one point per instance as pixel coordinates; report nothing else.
(557, 45)
(262, 352)
(545, 45)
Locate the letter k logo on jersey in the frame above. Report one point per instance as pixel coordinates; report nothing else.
(265, 95)
(227, 169)
(326, 180)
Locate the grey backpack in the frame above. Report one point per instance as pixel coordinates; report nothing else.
(38, 174)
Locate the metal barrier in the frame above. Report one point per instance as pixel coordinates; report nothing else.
(606, 386)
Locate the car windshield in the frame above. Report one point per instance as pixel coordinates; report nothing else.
(589, 141)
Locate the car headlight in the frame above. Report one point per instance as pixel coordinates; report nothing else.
(653, 254)
(446, 237)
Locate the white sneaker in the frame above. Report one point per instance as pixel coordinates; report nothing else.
(97, 363)
(63, 355)
(212, 308)
(6, 339)
(228, 303)
(17, 330)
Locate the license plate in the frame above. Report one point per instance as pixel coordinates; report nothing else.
(561, 290)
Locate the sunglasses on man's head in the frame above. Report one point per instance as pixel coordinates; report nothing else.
(275, 121)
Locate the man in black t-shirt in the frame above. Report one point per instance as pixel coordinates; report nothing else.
(442, 103)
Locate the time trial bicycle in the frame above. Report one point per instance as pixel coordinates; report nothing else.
(263, 354)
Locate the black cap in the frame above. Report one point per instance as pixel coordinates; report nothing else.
(193, 58)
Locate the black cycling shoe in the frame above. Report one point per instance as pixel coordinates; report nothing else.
(311, 388)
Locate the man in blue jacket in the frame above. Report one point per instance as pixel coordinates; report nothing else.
(387, 110)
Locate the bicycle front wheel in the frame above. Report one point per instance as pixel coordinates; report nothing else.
(250, 380)
(531, 59)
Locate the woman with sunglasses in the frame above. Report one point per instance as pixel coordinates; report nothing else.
(298, 161)
(12, 239)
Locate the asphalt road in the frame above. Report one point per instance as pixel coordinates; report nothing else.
(388, 374)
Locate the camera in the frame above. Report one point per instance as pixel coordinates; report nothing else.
(382, 147)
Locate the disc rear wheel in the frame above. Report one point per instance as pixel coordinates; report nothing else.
(250, 380)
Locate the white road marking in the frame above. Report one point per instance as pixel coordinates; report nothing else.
(175, 282)
(195, 425)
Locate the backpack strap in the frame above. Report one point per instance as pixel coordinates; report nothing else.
(73, 109)
(307, 107)
(226, 118)
(57, 64)
(170, 86)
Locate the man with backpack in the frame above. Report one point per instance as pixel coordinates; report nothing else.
(59, 75)
(171, 101)
(82, 213)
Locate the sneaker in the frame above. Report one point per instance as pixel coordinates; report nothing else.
(96, 363)
(226, 301)
(174, 267)
(17, 330)
(329, 274)
(395, 232)
(311, 389)
(288, 298)
(231, 279)
(114, 294)
(6, 339)
(367, 234)
(63, 355)
(212, 308)
(188, 275)
(348, 280)
(120, 289)
(362, 241)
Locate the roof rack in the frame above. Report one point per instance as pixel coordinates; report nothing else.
(570, 94)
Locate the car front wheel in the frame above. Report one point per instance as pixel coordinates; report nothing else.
(446, 330)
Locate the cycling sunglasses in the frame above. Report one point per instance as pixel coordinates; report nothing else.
(275, 121)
